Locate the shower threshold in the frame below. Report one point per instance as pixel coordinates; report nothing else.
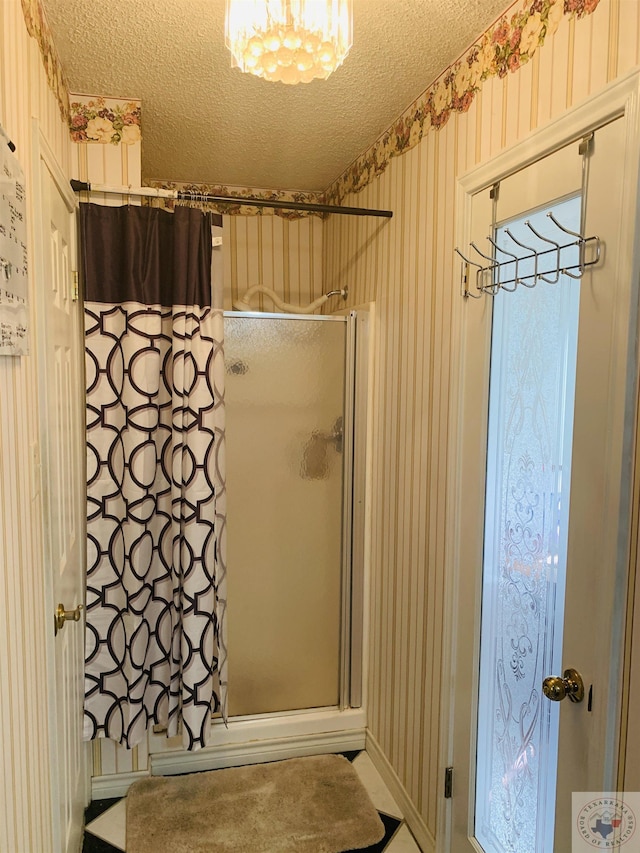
(256, 739)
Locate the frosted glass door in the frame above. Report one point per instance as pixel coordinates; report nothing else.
(285, 399)
(531, 406)
(544, 509)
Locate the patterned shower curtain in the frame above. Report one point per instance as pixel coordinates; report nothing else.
(156, 587)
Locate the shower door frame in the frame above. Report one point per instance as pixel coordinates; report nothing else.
(352, 642)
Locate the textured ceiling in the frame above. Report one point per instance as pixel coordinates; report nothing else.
(203, 121)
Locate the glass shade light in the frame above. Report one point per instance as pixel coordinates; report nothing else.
(291, 41)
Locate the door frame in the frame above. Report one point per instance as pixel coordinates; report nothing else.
(42, 153)
(620, 99)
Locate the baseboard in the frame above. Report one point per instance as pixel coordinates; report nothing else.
(412, 816)
(115, 785)
(255, 752)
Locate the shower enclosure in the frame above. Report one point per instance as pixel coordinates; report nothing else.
(296, 398)
(292, 630)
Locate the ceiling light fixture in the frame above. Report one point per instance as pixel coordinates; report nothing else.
(291, 41)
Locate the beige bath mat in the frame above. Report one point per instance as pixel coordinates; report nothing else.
(303, 805)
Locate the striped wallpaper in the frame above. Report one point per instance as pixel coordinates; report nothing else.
(282, 254)
(24, 725)
(407, 267)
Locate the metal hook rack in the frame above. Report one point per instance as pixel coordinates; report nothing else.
(505, 275)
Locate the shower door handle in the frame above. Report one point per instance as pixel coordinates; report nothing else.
(63, 616)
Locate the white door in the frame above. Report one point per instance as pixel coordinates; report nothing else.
(60, 353)
(546, 418)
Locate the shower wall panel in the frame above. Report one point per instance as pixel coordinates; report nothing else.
(284, 399)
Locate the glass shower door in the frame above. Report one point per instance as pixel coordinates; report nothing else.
(285, 390)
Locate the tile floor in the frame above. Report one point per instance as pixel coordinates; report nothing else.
(105, 830)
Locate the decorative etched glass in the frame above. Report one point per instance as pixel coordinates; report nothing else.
(531, 404)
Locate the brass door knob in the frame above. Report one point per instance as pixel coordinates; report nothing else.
(63, 616)
(556, 688)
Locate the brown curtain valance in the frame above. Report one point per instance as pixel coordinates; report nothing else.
(146, 255)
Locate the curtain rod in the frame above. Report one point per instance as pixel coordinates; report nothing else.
(179, 195)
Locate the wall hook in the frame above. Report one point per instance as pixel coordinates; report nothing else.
(557, 249)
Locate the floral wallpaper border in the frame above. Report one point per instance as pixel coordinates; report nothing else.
(197, 190)
(38, 28)
(502, 49)
(104, 120)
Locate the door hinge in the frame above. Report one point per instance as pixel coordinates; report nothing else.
(448, 782)
(75, 285)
